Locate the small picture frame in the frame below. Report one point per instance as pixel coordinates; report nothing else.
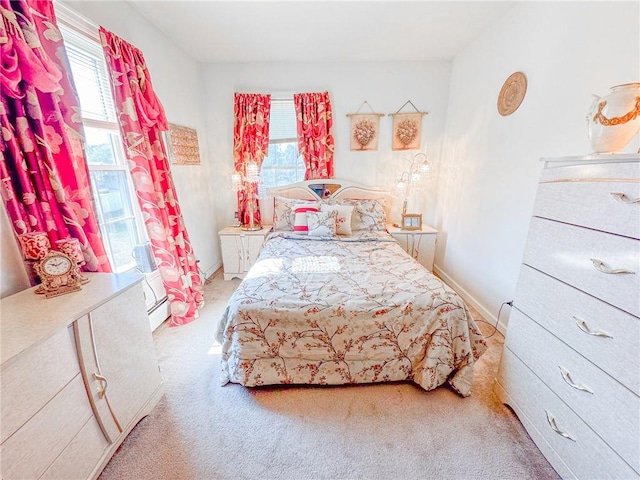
(182, 145)
(411, 221)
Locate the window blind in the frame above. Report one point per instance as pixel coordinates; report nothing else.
(282, 122)
(90, 76)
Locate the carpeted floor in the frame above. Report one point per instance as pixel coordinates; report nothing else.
(201, 430)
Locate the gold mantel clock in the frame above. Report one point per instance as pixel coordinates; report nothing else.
(58, 273)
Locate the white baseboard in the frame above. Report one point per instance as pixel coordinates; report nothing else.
(211, 270)
(159, 314)
(471, 300)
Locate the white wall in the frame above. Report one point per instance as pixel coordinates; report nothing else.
(386, 86)
(176, 80)
(490, 164)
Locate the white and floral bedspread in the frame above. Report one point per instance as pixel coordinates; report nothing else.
(354, 310)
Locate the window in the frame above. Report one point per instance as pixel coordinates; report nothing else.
(283, 164)
(117, 208)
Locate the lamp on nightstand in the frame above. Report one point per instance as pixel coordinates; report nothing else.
(248, 183)
(417, 173)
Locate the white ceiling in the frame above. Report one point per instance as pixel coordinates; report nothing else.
(319, 31)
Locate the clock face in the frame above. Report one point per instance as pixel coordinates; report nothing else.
(56, 265)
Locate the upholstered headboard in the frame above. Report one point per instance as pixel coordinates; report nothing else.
(332, 188)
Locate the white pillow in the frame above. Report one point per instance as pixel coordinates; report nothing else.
(343, 217)
(300, 216)
(322, 224)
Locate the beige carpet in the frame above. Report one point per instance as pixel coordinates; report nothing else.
(201, 430)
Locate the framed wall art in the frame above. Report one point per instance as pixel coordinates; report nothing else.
(365, 128)
(407, 129)
(182, 145)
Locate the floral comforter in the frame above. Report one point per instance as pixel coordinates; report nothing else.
(354, 310)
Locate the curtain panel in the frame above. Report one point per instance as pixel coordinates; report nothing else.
(44, 177)
(250, 143)
(142, 119)
(314, 120)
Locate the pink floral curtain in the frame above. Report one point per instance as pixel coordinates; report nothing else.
(315, 140)
(141, 118)
(44, 178)
(250, 142)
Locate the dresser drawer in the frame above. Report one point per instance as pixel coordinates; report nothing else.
(601, 205)
(609, 408)
(577, 255)
(587, 455)
(614, 339)
(81, 456)
(623, 170)
(36, 445)
(33, 377)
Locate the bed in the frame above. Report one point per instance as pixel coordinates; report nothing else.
(344, 309)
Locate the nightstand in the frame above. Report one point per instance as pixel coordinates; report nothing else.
(240, 248)
(420, 244)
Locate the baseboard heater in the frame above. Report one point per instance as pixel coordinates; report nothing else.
(158, 313)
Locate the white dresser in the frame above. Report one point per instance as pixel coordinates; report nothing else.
(240, 248)
(78, 372)
(570, 368)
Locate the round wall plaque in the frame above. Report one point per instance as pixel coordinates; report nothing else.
(512, 93)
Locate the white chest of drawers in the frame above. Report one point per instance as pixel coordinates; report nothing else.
(571, 362)
(78, 372)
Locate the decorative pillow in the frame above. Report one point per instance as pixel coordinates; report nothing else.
(300, 216)
(368, 214)
(343, 217)
(283, 214)
(322, 224)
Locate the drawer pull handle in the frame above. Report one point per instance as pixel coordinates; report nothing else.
(621, 197)
(554, 427)
(566, 376)
(103, 391)
(585, 328)
(604, 268)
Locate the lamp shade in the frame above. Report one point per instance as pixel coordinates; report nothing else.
(401, 187)
(253, 172)
(236, 181)
(34, 245)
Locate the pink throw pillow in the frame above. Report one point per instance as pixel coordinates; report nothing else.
(300, 224)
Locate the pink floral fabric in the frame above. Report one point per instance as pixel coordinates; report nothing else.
(141, 117)
(315, 140)
(354, 310)
(250, 142)
(44, 178)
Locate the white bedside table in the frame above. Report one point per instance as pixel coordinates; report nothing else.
(420, 244)
(240, 249)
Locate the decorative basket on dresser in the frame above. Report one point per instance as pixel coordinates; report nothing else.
(570, 368)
